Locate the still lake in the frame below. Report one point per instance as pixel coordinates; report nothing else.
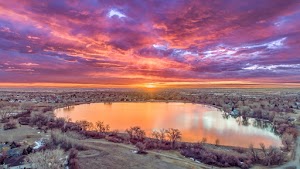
(195, 121)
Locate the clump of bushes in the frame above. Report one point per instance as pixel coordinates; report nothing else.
(48, 159)
(46, 109)
(216, 157)
(93, 134)
(70, 126)
(136, 134)
(40, 119)
(267, 156)
(236, 157)
(73, 162)
(141, 147)
(115, 139)
(24, 120)
(161, 145)
(56, 123)
(282, 125)
(65, 141)
(12, 124)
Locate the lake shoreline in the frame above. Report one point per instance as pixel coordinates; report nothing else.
(173, 101)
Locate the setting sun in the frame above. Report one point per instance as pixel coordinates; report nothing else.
(150, 86)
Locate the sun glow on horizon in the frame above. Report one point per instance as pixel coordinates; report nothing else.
(150, 86)
(154, 85)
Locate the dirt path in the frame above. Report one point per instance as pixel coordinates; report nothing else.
(84, 154)
(91, 144)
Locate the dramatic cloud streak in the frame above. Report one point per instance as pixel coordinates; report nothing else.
(139, 42)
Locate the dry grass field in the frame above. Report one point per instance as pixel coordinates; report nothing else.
(23, 133)
(120, 156)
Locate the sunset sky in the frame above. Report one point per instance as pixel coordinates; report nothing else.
(154, 43)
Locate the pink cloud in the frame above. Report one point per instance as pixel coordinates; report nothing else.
(136, 42)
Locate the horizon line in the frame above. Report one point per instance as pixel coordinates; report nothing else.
(155, 85)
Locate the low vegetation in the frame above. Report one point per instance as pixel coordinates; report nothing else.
(11, 124)
(65, 140)
(48, 159)
(72, 161)
(66, 136)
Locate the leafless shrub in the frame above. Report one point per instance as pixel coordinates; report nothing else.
(215, 157)
(3, 115)
(155, 134)
(113, 139)
(113, 133)
(46, 109)
(40, 119)
(204, 140)
(24, 120)
(64, 141)
(12, 124)
(287, 141)
(49, 159)
(136, 133)
(74, 135)
(141, 147)
(101, 127)
(274, 156)
(73, 162)
(217, 142)
(85, 125)
(263, 148)
(292, 131)
(159, 135)
(253, 153)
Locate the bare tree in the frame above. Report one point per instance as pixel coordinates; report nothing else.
(274, 156)
(136, 133)
(287, 141)
(204, 140)
(101, 127)
(173, 135)
(162, 135)
(217, 142)
(155, 135)
(3, 114)
(159, 135)
(263, 148)
(27, 106)
(253, 153)
(49, 159)
(85, 125)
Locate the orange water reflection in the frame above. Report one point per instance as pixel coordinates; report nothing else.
(195, 121)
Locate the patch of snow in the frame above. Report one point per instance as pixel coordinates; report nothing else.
(39, 144)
